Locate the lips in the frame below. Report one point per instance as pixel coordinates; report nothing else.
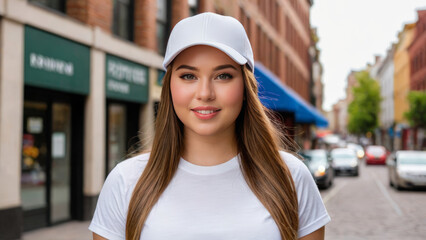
(205, 112)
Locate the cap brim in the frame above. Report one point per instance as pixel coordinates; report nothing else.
(233, 54)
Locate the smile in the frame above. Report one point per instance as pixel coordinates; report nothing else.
(206, 111)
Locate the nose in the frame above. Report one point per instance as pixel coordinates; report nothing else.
(205, 90)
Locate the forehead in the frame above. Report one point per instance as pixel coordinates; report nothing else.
(202, 55)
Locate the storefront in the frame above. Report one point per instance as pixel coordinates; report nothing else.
(57, 82)
(295, 114)
(126, 91)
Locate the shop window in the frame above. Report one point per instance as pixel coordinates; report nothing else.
(193, 7)
(123, 19)
(58, 5)
(162, 25)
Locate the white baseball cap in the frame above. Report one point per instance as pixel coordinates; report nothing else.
(222, 32)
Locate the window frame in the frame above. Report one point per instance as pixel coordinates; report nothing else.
(115, 27)
(161, 44)
(62, 9)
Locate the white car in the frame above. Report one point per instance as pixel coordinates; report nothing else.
(407, 169)
(345, 161)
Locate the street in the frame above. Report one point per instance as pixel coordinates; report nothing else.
(366, 207)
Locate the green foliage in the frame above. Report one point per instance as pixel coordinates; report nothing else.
(416, 115)
(364, 109)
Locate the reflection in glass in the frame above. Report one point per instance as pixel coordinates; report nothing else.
(61, 162)
(116, 134)
(34, 151)
(58, 5)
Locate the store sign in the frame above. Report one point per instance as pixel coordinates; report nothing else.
(46, 63)
(126, 80)
(55, 63)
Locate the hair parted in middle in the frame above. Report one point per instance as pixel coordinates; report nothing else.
(258, 141)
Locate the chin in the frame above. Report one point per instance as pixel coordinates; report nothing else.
(209, 131)
(205, 132)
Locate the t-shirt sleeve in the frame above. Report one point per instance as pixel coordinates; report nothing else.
(312, 212)
(109, 220)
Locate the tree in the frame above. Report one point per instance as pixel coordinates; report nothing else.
(416, 114)
(364, 109)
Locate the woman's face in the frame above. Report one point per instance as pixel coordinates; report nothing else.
(207, 91)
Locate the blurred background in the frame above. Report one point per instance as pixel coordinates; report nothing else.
(80, 83)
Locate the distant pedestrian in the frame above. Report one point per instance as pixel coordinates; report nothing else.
(215, 170)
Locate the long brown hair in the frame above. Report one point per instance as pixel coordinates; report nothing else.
(258, 143)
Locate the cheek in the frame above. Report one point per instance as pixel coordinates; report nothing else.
(181, 95)
(234, 95)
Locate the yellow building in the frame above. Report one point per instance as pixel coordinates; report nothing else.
(402, 72)
(402, 81)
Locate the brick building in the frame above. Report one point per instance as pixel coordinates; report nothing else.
(80, 81)
(417, 52)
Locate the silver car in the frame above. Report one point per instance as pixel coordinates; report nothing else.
(407, 169)
(345, 160)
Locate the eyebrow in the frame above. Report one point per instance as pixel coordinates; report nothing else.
(224, 66)
(215, 69)
(187, 67)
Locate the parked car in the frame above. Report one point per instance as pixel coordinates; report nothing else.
(359, 150)
(407, 169)
(345, 161)
(321, 168)
(375, 154)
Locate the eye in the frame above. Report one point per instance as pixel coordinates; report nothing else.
(188, 76)
(224, 76)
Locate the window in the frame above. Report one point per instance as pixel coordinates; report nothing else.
(193, 7)
(58, 5)
(123, 19)
(162, 25)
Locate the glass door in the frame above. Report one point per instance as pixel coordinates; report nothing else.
(116, 134)
(34, 158)
(46, 163)
(60, 174)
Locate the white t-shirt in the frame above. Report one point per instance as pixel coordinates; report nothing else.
(204, 202)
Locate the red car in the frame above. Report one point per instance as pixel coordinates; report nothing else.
(375, 154)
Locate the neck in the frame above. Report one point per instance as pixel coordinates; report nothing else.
(209, 150)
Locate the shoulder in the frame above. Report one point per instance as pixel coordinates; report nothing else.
(299, 171)
(295, 165)
(312, 212)
(109, 219)
(134, 163)
(130, 170)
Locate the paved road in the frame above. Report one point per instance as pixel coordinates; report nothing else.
(366, 207)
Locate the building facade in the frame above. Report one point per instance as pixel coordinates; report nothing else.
(417, 52)
(76, 94)
(402, 82)
(80, 82)
(385, 77)
(317, 86)
(340, 114)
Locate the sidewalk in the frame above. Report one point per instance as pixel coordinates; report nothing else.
(67, 231)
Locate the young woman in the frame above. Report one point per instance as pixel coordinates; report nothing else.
(215, 170)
